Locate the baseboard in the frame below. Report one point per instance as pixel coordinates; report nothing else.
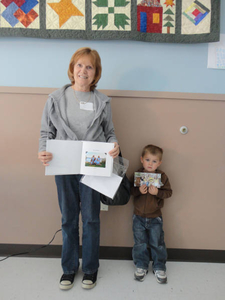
(118, 253)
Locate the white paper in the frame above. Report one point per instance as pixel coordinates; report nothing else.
(72, 157)
(216, 54)
(66, 157)
(104, 185)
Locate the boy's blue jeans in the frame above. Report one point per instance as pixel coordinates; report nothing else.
(149, 232)
(75, 197)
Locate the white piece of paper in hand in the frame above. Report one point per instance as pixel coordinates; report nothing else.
(104, 185)
(65, 159)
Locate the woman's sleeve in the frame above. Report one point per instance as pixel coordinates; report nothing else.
(107, 124)
(48, 131)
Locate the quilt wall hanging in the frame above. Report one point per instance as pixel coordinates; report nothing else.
(173, 21)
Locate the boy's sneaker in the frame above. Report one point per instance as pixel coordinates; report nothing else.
(140, 274)
(160, 276)
(66, 281)
(89, 280)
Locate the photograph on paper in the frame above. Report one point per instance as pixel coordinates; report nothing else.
(96, 160)
(141, 178)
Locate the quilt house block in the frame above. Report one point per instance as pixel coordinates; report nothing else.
(149, 16)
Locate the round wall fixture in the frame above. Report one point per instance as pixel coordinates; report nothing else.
(183, 130)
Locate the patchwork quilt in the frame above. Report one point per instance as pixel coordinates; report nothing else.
(173, 21)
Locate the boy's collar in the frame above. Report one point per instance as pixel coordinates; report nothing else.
(156, 171)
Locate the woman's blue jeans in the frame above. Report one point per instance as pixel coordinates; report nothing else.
(75, 197)
(149, 232)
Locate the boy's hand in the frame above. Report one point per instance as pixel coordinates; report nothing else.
(153, 190)
(143, 189)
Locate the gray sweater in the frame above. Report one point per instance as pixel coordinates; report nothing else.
(54, 122)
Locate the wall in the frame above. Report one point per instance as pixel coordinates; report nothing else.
(195, 164)
(132, 71)
(127, 65)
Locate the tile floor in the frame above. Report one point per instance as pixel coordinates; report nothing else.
(37, 279)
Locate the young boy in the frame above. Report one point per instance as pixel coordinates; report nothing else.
(147, 218)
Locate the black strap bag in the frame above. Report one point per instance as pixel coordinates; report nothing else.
(122, 195)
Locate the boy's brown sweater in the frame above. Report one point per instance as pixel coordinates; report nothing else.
(147, 205)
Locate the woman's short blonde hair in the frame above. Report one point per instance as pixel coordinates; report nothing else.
(95, 60)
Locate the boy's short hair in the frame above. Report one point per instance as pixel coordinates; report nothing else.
(154, 150)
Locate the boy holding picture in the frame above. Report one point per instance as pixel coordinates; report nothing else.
(147, 218)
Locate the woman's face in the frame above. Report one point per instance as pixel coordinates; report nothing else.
(84, 73)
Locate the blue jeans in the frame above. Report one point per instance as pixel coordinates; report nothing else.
(75, 197)
(149, 232)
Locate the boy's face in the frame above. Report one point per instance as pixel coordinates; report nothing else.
(150, 162)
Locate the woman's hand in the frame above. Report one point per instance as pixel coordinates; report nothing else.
(45, 157)
(115, 151)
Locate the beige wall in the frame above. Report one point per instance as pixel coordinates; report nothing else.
(195, 163)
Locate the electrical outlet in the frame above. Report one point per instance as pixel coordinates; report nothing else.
(104, 207)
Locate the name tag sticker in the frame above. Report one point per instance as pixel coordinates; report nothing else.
(87, 106)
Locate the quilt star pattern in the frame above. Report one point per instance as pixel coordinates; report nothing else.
(168, 21)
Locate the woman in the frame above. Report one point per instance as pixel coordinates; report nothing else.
(78, 112)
